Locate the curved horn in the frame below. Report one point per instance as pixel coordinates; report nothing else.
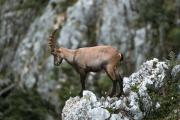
(52, 41)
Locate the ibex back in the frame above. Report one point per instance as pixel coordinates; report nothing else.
(90, 59)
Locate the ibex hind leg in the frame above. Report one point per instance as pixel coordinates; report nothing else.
(110, 72)
(120, 81)
(113, 91)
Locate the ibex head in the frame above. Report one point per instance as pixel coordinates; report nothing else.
(55, 51)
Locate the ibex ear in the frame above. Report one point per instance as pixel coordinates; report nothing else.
(59, 50)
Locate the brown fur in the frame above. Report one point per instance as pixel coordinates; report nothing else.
(91, 59)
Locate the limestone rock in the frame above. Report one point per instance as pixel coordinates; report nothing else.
(134, 105)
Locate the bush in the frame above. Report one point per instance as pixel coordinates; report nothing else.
(168, 97)
(24, 105)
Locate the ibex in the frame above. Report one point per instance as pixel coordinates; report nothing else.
(90, 59)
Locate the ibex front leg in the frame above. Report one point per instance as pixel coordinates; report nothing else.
(83, 78)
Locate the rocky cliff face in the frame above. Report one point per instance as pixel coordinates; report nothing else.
(25, 27)
(135, 104)
(15, 20)
(24, 33)
(33, 49)
(105, 22)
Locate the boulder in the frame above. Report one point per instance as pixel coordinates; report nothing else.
(135, 104)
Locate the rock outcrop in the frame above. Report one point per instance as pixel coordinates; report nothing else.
(135, 104)
(176, 72)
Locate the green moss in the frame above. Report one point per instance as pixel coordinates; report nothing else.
(111, 110)
(135, 88)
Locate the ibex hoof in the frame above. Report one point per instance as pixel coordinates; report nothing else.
(111, 95)
(119, 95)
(80, 94)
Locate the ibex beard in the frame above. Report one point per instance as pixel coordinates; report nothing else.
(90, 59)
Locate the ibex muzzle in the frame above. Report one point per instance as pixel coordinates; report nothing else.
(90, 59)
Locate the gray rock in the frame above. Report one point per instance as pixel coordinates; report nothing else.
(176, 72)
(150, 75)
(14, 24)
(98, 114)
(29, 57)
(79, 17)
